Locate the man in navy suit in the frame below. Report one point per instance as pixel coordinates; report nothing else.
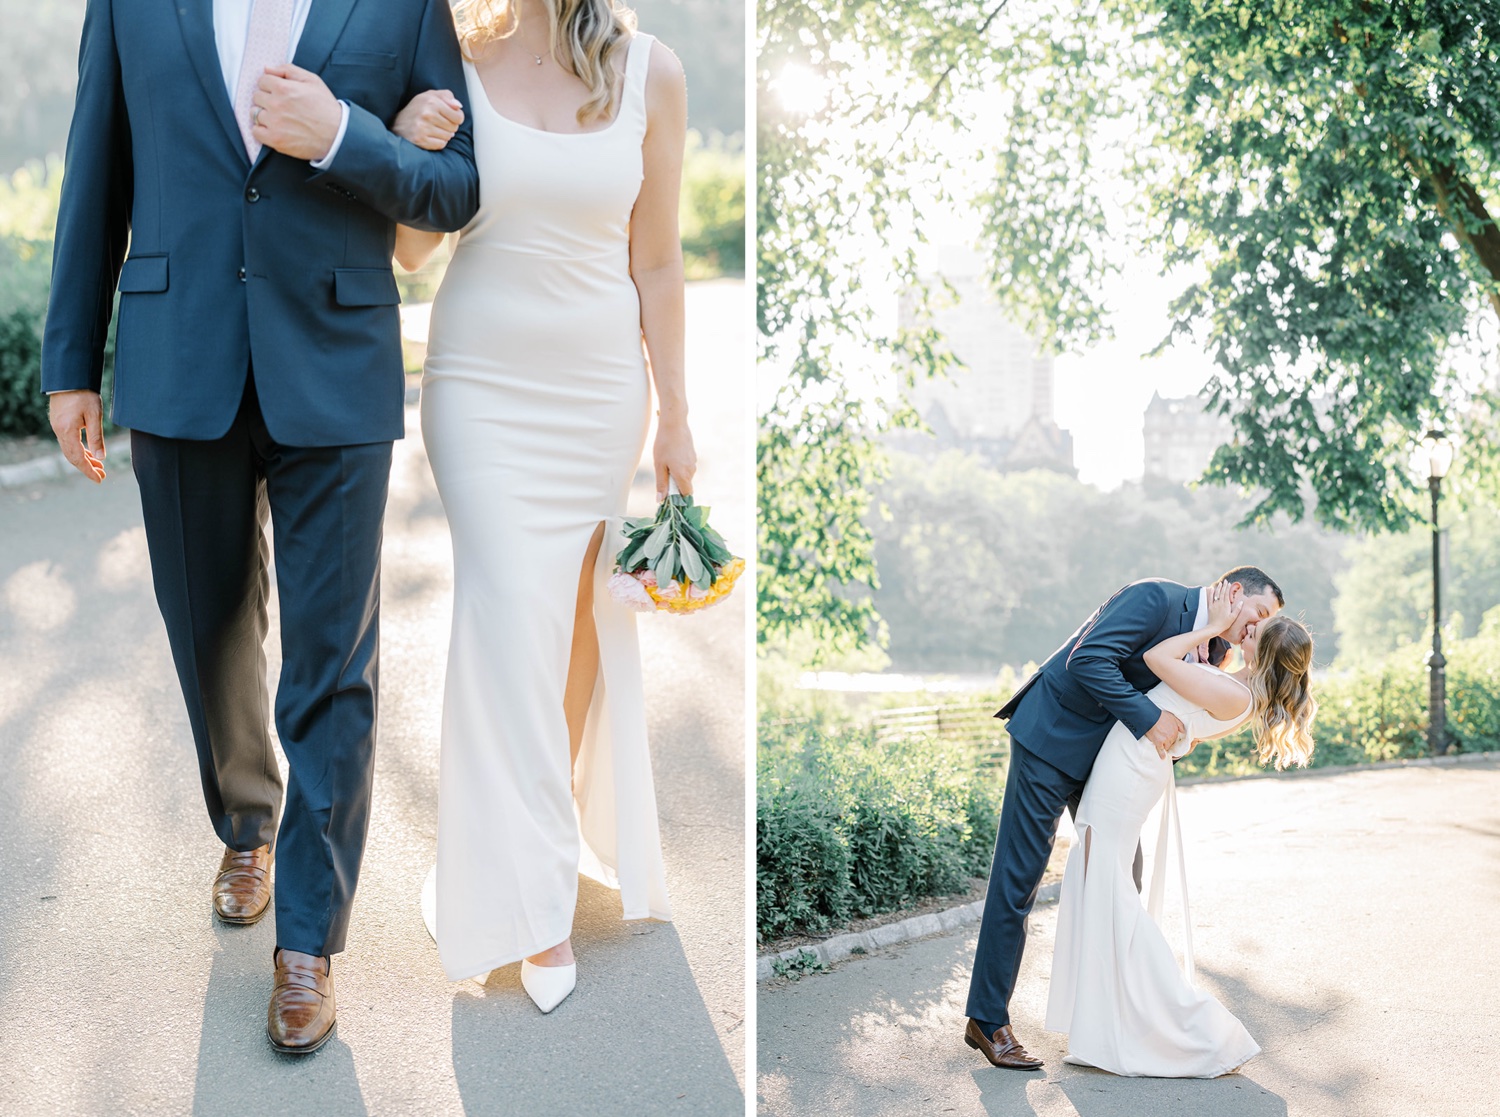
(1058, 720)
(239, 151)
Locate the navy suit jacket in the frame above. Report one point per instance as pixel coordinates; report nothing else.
(1099, 676)
(231, 266)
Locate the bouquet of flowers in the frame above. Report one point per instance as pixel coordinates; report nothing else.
(674, 562)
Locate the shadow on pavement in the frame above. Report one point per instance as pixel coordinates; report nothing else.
(238, 1070)
(610, 1048)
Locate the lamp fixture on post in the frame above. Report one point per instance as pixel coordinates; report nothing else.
(1439, 459)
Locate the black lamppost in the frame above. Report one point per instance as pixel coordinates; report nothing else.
(1439, 458)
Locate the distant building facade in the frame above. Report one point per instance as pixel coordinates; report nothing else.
(1000, 407)
(1181, 436)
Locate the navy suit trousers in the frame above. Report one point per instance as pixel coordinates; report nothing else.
(205, 506)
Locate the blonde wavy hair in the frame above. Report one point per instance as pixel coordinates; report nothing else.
(1281, 692)
(588, 37)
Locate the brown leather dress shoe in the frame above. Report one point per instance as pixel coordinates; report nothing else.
(1002, 1048)
(300, 1017)
(242, 890)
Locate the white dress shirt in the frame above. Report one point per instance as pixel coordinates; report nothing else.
(232, 29)
(1199, 621)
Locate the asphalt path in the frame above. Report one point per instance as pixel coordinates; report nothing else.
(1350, 920)
(120, 993)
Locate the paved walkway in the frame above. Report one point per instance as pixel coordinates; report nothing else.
(120, 994)
(1350, 920)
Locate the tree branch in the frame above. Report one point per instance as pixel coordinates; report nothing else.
(1460, 203)
(942, 80)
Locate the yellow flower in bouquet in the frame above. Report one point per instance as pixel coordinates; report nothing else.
(674, 562)
(680, 598)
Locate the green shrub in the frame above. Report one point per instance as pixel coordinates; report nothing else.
(28, 211)
(848, 827)
(713, 208)
(23, 308)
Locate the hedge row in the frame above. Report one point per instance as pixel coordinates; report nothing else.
(848, 827)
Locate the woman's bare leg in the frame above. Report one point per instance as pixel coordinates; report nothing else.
(583, 669)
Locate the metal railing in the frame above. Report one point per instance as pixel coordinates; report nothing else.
(973, 723)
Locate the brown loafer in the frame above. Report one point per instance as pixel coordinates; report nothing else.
(242, 890)
(1002, 1048)
(300, 1017)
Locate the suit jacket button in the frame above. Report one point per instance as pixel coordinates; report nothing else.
(252, 195)
(242, 275)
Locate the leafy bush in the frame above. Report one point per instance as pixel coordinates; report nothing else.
(713, 208)
(24, 269)
(28, 212)
(848, 827)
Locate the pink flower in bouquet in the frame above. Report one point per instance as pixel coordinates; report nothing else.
(647, 577)
(628, 591)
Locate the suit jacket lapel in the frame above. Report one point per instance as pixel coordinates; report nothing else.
(325, 23)
(196, 18)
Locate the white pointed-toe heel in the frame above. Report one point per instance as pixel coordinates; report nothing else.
(548, 986)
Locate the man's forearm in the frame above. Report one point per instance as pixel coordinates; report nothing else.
(1124, 625)
(437, 191)
(1106, 684)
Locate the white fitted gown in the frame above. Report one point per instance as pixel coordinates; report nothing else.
(1116, 988)
(535, 407)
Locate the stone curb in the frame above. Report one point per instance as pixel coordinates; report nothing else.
(52, 466)
(840, 947)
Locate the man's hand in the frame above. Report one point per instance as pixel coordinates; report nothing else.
(1165, 732)
(295, 113)
(72, 412)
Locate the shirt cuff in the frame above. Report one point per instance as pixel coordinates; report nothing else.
(324, 163)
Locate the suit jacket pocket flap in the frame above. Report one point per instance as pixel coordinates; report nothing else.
(1083, 704)
(144, 273)
(365, 287)
(362, 58)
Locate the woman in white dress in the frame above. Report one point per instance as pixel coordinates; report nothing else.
(535, 407)
(1116, 988)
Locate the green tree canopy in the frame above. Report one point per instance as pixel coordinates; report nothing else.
(1320, 174)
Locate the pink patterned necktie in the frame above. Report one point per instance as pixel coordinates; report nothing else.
(268, 44)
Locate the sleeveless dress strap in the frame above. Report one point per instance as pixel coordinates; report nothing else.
(637, 66)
